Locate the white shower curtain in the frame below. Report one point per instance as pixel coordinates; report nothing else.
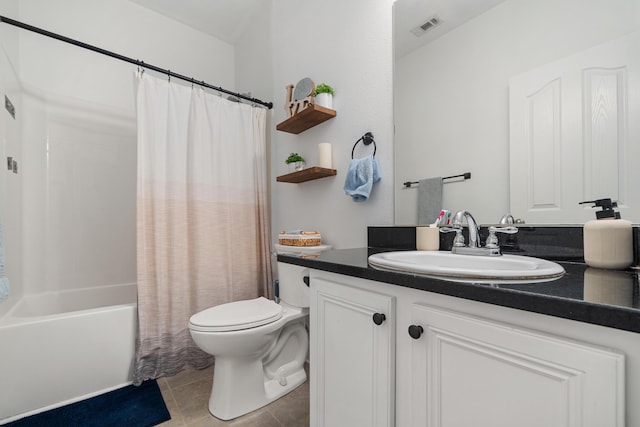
(203, 234)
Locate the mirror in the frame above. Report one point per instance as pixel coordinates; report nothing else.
(453, 107)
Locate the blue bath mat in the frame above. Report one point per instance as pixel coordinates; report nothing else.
(130, 406)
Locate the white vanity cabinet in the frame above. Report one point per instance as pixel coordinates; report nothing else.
(353, 355)
(465, 363)
(469, 371)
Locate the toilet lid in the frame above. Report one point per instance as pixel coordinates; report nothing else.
(237, 315)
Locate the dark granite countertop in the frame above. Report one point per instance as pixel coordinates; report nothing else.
(602, 297)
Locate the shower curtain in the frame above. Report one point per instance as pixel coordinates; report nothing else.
(203, 234)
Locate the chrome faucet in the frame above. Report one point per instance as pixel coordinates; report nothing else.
(474, 247)
(474, 235)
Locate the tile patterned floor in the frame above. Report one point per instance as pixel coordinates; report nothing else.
(187, 397)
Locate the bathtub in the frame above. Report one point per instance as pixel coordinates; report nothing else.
(58, 348)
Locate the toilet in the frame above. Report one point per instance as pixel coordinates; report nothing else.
(260, 346)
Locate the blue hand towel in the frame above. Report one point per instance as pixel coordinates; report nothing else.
(4, 281)
(361, 176)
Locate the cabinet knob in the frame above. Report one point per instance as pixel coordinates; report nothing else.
(415, 331)
(378, 318)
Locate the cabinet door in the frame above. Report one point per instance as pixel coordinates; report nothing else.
(352, 357)
(474, 372)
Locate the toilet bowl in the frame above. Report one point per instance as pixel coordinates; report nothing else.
(260, 346)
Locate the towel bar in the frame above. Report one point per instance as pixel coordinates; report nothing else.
(408, 184)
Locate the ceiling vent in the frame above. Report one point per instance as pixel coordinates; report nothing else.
(428, 25)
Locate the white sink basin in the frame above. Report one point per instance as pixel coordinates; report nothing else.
(469, 268)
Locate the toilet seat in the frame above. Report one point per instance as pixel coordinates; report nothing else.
(235, 316)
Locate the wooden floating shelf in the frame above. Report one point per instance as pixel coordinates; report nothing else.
(307, 174)
(309, 117)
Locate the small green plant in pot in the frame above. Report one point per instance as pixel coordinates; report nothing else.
(295, 162)
(323, 95)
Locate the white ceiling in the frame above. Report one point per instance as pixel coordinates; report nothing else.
(227, 19)
(408, 14)
(223, 19)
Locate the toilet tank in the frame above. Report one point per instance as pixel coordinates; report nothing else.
(292, 288)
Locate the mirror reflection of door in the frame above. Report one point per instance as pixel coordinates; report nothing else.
(574, 134)
(451, 97)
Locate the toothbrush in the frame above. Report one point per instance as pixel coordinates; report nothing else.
(443, 219)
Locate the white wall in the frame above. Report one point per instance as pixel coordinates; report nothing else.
(347, 45)
(452, 100)
(253, 57)
(254, 68)
(78, 149)
(120, 26)
(62, 80)
(10, 146)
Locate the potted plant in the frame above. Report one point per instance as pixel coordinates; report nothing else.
(323, 95)
(295, 162)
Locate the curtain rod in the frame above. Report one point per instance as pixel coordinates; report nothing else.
(137, 62)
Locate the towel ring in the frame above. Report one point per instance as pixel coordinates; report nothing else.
(366, 139)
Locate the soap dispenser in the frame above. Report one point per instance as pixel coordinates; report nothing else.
(608, 240)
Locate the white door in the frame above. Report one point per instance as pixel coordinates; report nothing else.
(470, 371)
(352, 356)
(574, 134)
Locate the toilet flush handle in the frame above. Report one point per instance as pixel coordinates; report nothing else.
(305, 279)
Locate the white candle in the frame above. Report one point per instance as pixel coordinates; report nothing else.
(324, 151)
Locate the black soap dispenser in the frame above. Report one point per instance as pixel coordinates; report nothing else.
(608, 240)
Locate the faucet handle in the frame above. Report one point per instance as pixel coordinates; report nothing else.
(458, 218)
(459, 239)
(492, 240)
(507, 219)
